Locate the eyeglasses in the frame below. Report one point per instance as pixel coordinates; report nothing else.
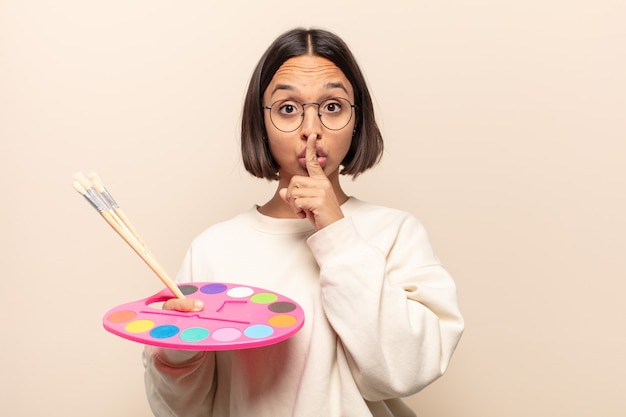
(334, 113)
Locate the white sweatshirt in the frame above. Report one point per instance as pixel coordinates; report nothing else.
(381, 319)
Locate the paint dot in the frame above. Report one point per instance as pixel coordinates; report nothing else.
(282, 320)
(163, 332)
(240, 292)
(226, 334)
(258, 331)
(121, 316)
(187, 289)
(213, 288)
(264, 298)
(139, 326)
(194, 334)
(282, 307)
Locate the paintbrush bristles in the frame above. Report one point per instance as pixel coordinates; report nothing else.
(96, 181)
(83, 180)
(94, 191)
(79, 187)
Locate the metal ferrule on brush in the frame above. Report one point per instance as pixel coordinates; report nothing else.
(108, 199)
(94, 198)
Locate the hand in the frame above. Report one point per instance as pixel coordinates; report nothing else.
(313, 197)
(183, 304)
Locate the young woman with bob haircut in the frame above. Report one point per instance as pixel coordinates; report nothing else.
(367, 144)
(381, 313)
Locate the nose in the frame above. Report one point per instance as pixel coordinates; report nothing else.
(311, 123)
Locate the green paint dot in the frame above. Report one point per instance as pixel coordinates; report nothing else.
(194, 334)
(264, 298)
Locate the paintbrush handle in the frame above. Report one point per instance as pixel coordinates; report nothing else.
(104, 203)
(143, 253)
(129, 225)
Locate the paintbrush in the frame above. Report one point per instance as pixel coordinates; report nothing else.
(124, 229)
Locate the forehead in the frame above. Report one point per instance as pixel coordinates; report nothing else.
(308, 74)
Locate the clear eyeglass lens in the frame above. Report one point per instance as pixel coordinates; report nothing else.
(288, 115)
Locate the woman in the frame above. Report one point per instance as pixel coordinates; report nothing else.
(382, 318)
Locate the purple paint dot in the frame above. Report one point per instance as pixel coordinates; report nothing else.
(213, 288)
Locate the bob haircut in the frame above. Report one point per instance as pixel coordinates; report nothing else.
(366, 147)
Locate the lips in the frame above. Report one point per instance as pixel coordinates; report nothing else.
(321, 157)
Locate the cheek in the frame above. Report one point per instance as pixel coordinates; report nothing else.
(278, 142)
(347, 143)
(346, 150)
(346, 139)
(339, 148)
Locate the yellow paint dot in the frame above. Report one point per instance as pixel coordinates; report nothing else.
(139, 326)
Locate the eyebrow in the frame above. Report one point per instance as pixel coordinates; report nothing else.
(328, 86)
(287, 87)
(340, 85)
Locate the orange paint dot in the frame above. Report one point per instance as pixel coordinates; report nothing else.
(122, 316)
(282, 320)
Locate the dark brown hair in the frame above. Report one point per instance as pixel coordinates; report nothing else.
(367, 143)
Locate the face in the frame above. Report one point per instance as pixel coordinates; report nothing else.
(308, 79)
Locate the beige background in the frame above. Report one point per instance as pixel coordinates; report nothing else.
(505, 131)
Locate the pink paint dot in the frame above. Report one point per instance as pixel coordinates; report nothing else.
(226, 334)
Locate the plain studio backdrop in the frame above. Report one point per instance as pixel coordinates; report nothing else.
(505, 134)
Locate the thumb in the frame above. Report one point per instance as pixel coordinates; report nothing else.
(283, 194)
(185, 304)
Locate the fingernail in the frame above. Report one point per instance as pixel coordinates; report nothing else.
(198, 305)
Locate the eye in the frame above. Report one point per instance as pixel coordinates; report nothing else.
(332, 106)
(288, 108)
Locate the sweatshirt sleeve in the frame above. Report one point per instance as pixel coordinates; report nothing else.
(392, 304)
(180, 383)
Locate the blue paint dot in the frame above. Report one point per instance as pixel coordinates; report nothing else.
(258, 331)
(163, 332)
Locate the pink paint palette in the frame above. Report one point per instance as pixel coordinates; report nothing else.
(234, 317)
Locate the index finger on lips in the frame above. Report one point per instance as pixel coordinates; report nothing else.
(313, 166)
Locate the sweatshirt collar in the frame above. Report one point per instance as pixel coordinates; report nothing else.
(273, 225)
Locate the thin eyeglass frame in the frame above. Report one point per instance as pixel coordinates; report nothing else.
(352, 107)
